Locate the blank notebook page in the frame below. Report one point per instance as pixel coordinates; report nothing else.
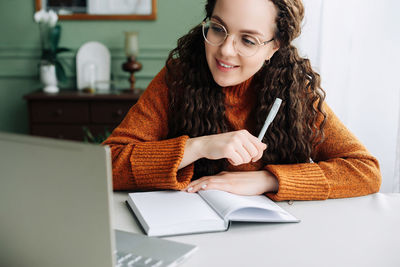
(171, 207)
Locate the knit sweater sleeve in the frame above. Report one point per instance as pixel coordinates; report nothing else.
(342, 167)
(142, 157)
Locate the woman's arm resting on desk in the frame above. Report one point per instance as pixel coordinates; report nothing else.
(142, 157)
(342, 168)
(242, 183)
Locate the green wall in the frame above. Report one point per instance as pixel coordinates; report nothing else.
(20, 49)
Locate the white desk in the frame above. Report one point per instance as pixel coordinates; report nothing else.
(362, 231)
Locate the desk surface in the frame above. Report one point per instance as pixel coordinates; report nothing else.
(362, 231)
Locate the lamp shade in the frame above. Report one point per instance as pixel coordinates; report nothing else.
(131, 44)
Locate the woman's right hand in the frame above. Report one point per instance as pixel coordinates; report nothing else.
(238, 147)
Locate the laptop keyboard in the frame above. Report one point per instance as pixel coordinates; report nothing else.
(131, 260)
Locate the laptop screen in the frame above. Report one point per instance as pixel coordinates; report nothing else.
(54, 203)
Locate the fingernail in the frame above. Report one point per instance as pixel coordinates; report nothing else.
(204, 186)
(190, 189)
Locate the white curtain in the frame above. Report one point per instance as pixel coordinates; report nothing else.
(396, 182)
(354, 45)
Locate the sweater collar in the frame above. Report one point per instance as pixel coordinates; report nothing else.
(235, 92)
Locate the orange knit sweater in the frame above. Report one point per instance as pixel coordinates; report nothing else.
(143, 159)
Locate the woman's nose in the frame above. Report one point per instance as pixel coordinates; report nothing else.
(227, 48)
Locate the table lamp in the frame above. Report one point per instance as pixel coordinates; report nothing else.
(131, 51)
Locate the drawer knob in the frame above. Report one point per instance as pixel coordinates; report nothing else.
(59, 112)
(119, 113)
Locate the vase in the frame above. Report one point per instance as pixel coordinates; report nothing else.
(48, 78)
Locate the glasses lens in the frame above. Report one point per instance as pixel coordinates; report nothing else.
(214, 33)
(246, 45)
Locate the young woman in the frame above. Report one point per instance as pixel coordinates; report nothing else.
(195, 126)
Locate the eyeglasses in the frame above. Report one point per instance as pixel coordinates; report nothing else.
(245, 44)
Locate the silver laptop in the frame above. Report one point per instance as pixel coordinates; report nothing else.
(55, 209)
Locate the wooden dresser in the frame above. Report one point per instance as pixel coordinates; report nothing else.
(65, 114)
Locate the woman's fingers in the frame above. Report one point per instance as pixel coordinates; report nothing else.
(206, 183)
(241, 183)
(260, 152)
(193, 184)
(237, 147)
(249, 147)
(258, 157)
(260, 146)
(252, 149)
(233, 156)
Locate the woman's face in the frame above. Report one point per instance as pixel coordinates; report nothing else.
(256, 17)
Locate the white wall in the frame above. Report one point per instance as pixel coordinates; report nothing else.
(354, 45)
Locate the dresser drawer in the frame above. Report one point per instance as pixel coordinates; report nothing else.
(70, 132)
(75, 115)
(108, 112)
(60, 112)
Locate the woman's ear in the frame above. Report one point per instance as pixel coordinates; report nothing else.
(275, 47)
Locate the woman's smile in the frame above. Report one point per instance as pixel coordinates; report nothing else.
(225, 66)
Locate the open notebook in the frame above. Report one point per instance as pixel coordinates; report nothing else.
(164, 213)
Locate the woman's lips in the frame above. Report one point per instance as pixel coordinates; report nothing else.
(225, 66)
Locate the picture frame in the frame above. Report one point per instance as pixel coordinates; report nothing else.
(101, 9)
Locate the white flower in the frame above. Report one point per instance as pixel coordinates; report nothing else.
(53, 18)
(40, 16)
(45, 17)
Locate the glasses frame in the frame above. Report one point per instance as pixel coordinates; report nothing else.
(260, 43)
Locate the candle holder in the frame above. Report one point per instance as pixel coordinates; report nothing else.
(132, 66)
(131, 51)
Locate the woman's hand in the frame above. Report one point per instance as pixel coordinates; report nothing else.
(238, 147)
(240, 183)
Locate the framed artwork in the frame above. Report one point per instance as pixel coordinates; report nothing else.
(101, 9)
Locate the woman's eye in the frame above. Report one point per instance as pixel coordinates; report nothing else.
(217, 29)
(248, 41)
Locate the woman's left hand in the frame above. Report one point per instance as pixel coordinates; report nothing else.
(240, 183)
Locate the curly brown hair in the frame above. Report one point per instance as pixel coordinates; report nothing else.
(197, 101)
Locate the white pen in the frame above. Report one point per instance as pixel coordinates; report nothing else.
(271, 116)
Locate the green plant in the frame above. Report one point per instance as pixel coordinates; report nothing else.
(51, 54)
(89, 137)
(50, 34)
